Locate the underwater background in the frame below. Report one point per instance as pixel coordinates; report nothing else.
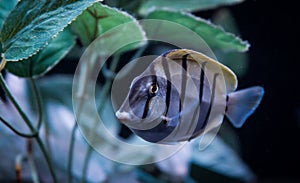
(269, 142)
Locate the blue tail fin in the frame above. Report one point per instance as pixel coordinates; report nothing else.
(241, 104)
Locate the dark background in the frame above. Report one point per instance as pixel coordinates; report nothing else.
(271, 138)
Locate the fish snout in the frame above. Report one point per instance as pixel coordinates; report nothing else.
(123, 116)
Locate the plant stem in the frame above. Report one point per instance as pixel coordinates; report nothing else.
(29, 124)
(86, 162)
(2, 64)
(8, 125)
(34, 174)
(78, 112)
(70, 156)
(40, 113)
(102, 98)
(90, 149)
(38, 102)
(47, 157)
(139, 52)
(15, 103)
(18, 167)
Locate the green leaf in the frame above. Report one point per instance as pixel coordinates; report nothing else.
(46, 59)
(5, 8)
(180, 5)
(238, 62)
(214, 36)
(100, 19)
(32, 25)
(131, 6)
(225, 19)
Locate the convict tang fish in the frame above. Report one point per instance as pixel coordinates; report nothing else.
(183, 94)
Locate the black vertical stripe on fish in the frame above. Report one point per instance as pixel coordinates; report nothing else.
(153, 75)
(146, 107)
(211, 101)
(149, 97)
(153, 80)
(200, 99)
(183, 81)
(201, 83)
(226, 108)
(183, 87)
(198, 130)
(168, 91)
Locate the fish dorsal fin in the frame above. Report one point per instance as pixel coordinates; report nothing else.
(229, 76)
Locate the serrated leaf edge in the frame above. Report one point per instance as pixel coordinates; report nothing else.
(54, 36)
(246, 43)
(55, 63)
(134, 20)
(155, 8)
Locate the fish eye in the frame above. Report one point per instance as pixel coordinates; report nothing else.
(153, 89)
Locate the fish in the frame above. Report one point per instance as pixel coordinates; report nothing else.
(184, 94)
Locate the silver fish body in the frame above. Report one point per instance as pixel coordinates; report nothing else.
(183, 94)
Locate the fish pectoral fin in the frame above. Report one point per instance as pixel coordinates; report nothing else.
(165, 118)
(241, 104)
(170, 118)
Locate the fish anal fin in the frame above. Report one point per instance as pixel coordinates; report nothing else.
(207, 138)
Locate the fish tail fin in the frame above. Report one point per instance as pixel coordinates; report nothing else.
(241, 104)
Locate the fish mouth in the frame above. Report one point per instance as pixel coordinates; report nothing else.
(123, 116)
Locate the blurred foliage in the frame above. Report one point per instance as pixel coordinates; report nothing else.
(224, 18)
(36, 36)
